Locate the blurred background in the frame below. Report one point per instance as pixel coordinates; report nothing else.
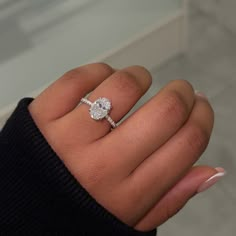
(193, 40)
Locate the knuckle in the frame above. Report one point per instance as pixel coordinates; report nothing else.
(175, 107)
(142, 73)
(101, 67)
(95, 68)
(184, 83)
(126, 82)
(71, 74)
(198, 138)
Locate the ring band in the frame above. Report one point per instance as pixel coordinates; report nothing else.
(100, 109)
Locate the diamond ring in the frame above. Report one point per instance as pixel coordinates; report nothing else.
(100, 109)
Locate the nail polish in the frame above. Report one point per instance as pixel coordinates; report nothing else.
(212, 180)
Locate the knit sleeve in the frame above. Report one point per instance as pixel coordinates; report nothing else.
(38, 194)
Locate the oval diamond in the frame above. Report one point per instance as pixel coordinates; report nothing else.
(100, 108)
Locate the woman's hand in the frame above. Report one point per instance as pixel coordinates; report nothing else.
(142, 171)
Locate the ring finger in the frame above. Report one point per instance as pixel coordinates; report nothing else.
(123, 88)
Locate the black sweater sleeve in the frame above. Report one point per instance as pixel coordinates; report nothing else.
(38, 194)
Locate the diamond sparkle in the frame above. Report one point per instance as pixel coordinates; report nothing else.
(100, 108)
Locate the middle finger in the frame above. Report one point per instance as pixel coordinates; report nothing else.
(149, 127)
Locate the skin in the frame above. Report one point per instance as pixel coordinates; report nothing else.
(142, 171)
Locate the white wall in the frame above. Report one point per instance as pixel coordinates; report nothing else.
(222, 10)
(42, 39)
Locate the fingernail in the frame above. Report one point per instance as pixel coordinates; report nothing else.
(220, 169)
(200, 94)
(212, 180)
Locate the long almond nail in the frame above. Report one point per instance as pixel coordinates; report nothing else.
(211, 181)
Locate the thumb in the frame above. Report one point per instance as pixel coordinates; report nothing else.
(198, 179)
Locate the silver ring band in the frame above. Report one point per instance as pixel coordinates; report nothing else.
(100, 109)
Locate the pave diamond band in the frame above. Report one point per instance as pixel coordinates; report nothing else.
(100, 109)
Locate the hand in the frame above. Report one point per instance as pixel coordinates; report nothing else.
(142, 171)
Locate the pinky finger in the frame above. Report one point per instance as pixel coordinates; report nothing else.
(197, 180)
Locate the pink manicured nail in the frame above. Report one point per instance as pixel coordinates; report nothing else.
(200, 94)
(220, 170)
(212, 180)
